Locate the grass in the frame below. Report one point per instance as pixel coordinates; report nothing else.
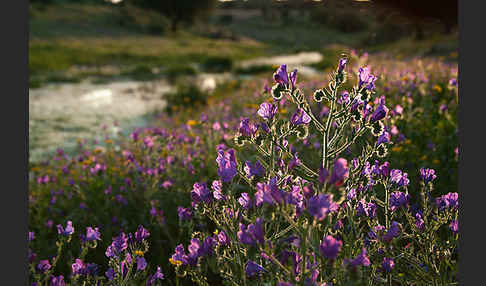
(64, 38)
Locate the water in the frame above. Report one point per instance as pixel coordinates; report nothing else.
(60, 114)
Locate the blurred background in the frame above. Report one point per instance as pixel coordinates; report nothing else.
(111, 65)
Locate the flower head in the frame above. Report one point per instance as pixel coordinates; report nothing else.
(319, 206)
(141, 234)
(387, 264)
(428, 175)
(184, 213)
(66, 231)
(339, 172)
(300, 117)
(92, 234)
(226, 165)
(330, 247)
(366, 79)
(281, 76)
(398, 199)
(253, 269)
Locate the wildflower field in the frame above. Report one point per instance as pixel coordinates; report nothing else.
(343, 179)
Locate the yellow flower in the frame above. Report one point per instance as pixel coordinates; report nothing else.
(438, 88)
(175, 262)
(139, 253)
(397, 149)
(283, 110)
(191, 122)
(408, 141)
(108, 141)
(186, 99)
(435, 161)
(405, 78)
(423, 158)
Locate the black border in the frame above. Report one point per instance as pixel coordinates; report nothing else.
(471, 123)
(14, 159)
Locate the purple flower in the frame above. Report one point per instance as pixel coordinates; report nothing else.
(387, 264)
(319, 206)
(323, 174)
(267, 110)
(392, 232)
(31, 236)
(360, 259)
(141, 263)
(200, 193)
(300, 117)
(110, 274)
(399, 178)
(453, 81)
(380, 112)
(244, 236)
(454, 226)
(118, 245)
(330, 247)
(180, 255)
(184, 213)
(281, 76)
(92, 234)
(419, 222)
(447, 200)
(222, 238)
(245, 201)
(253, 169)
(158, 275)
(268, 193)
(256, 231)
(428, 175)
(57, 281)
(366, 209)
(247, 128)
(295, 161)
(339, 172)
(281, 283)
(141, 234)
(398, 199)
(253, 269)
(293, 78)
(67, 231)
(383, 138)
(226, 165)
(366, 79)
(342, 64)
(44, 266)
(79, 267)
(344, 98)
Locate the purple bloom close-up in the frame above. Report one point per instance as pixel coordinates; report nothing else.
(387, 264)
(141, 234)
(253, 269)
(428, 175)
(300, 117)
(281, 75)
(339, 172)
(398, 199)
(267, 110)
(330, 247)
(245, 201)
(226, 165)
(319, 206)
(141, 263)
(92, 234)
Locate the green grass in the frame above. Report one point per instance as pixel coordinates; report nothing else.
(66, 37)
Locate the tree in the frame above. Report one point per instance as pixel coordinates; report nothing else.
(178, 11)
